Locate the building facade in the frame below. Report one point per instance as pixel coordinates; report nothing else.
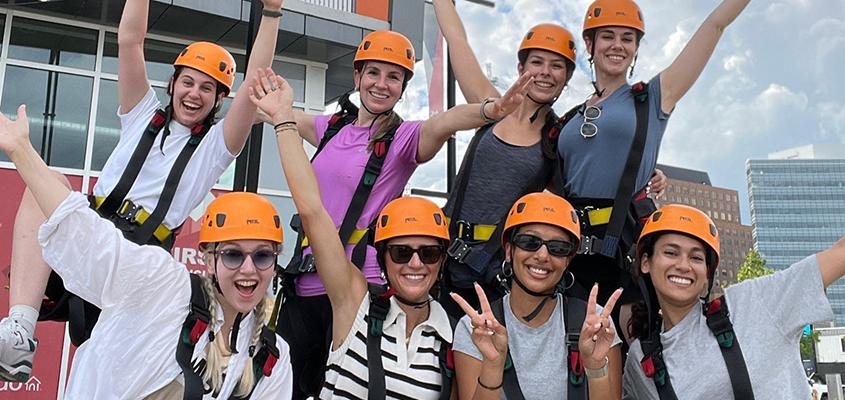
(797, 203)
(693, 188)
(60, 59)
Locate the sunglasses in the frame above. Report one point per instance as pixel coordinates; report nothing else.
(557, 248)
(234, 258)
(402, 254)
(588, 128)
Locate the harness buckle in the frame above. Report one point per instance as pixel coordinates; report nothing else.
(464, 229)
(128, 211)
(590, 245)
(459, 250)
(307, 264)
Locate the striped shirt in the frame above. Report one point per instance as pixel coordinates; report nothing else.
(411, 372)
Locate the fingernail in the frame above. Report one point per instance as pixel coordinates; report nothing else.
(596, 285)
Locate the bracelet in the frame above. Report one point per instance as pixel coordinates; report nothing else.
(283, 124)
(598, 372)
(285, 129)
(490, 387)
(270, 13)
(483, 114)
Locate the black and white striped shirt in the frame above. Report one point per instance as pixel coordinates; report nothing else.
(411, 372)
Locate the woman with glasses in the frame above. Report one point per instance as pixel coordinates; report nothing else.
(404, 327)
(742, 345)
(507, 158)
(163, 332)
(537, 342)
(598, 171)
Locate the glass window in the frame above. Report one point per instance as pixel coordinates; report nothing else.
(286, 209)
(2, 26)
(58, 107)
(158, 55)
(107, 128)
(295, 75)
(49, 43)
(270, 174)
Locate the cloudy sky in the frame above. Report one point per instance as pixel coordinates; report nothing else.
(776, 79)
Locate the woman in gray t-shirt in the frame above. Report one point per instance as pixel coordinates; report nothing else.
(754, 351)
(515, 346)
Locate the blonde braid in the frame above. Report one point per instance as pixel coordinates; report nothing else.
(213, 373)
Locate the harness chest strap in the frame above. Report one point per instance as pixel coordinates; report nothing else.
(264, 358)
(379, 308)
(137, 214)
(574, 313)
(718, 321)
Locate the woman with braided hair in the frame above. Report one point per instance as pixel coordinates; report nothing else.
(163, 333)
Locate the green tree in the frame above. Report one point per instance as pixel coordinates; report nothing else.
(754, 266)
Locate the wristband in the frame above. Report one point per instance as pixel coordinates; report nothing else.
(490, 387)
(270, 13)
(285, 124)
(598, 372)
(483, 114)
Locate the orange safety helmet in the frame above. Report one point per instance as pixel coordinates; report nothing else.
(239, 216)
(210, 59)
(549, 37)
(543, 208)
(387, 46)
(614, 13)
(411, 216)
(677, 218)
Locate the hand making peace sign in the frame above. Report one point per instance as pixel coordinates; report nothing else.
(597, 333)
(488, 335)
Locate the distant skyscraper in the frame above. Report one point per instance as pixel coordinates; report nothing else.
(693, 188)
(797, 200)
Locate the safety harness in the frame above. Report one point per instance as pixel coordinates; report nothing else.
(574, 313)
(465, 233)
(379, 307)
(264, 356)
(347, 232)
(116, 205)
(719, 322)
(624, 204)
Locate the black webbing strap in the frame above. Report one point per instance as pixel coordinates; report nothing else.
(628, 180)
(447, 367)
(574, 313)
(113, 201)
(379, 307)
(559, 178)
(146, 230)
(264, 359)
(655, 368)
(469, 158)
(192, 329)
(719, 322)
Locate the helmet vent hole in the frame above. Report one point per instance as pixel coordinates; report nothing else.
(520, 207)
(529, 35)
(438, 220)
(383, 221)
(597, 12)
(367, 45)
(277, 221)
(656, 216)
(220, 219)
(222, 66)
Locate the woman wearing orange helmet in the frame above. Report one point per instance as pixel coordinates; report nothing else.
(742, 345)
(513, 345)
(383, 343)
(164, 332)
(512, 157)
(349, 143)
(140, 189)
(608, 148)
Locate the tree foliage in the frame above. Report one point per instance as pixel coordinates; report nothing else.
(754, 266)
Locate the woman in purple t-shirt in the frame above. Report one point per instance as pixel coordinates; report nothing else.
(383, 64)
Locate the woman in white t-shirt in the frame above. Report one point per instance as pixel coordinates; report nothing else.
(742, 345)
(135, 192)
(163, 332)
(515, 345)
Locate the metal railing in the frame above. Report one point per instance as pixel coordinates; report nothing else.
(342, 5)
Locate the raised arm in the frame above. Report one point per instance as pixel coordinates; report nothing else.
(345, 284)
(132, 83)
(241, 115)
(437, 129)
(832, 262)
(474, 84)
(676, 79)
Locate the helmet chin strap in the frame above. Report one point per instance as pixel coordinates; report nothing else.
(598, 92)
(546, 296)
(542, 104)
(416, 305)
